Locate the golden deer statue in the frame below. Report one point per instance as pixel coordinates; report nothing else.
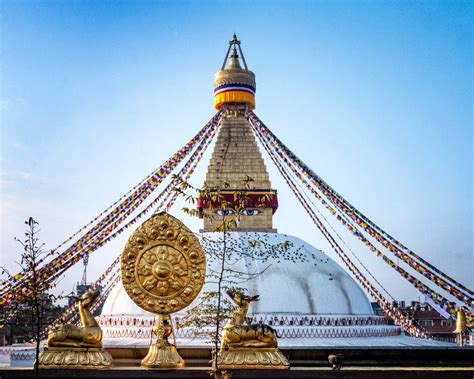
(87, 335)
(71, 346)
(236, 334)
(249, 345)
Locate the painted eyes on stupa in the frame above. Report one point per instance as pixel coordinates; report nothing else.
(251, 212)
(225, 212)
(246, 212)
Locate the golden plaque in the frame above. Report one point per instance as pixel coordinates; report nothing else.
(163, 268)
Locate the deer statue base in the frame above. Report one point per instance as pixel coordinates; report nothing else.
(252, 358)
(162, 354)
(75, 358)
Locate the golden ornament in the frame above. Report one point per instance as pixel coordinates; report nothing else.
(163, 269)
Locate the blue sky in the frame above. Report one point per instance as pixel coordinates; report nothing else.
(376, 97)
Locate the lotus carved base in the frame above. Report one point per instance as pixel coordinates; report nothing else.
(163, 356)
(75, 358)
(252, 358)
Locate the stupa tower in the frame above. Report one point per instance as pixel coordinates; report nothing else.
(236, 157)
(308, 300)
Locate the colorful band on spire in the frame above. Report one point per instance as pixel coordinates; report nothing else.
(235, 94)
(235, 87)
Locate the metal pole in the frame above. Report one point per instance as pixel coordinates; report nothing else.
(227, 55)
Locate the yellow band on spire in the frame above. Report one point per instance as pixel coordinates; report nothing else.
(234, 97)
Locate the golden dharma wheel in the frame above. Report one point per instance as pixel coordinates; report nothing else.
(163, 265)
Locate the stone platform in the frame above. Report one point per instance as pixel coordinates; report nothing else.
(317, 357)
(377, 363)
(375, 372)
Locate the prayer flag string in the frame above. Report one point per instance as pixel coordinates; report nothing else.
(450, 307)
(103, 228)
(279, 147)
(387, 307)
(188, 168)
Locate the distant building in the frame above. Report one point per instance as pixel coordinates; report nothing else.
(423, 315)
(428, 318)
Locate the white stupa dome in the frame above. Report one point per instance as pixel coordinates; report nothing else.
(297, 278)
(306, 296)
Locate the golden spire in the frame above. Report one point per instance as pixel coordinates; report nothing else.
(234, 84)
(236, 157)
